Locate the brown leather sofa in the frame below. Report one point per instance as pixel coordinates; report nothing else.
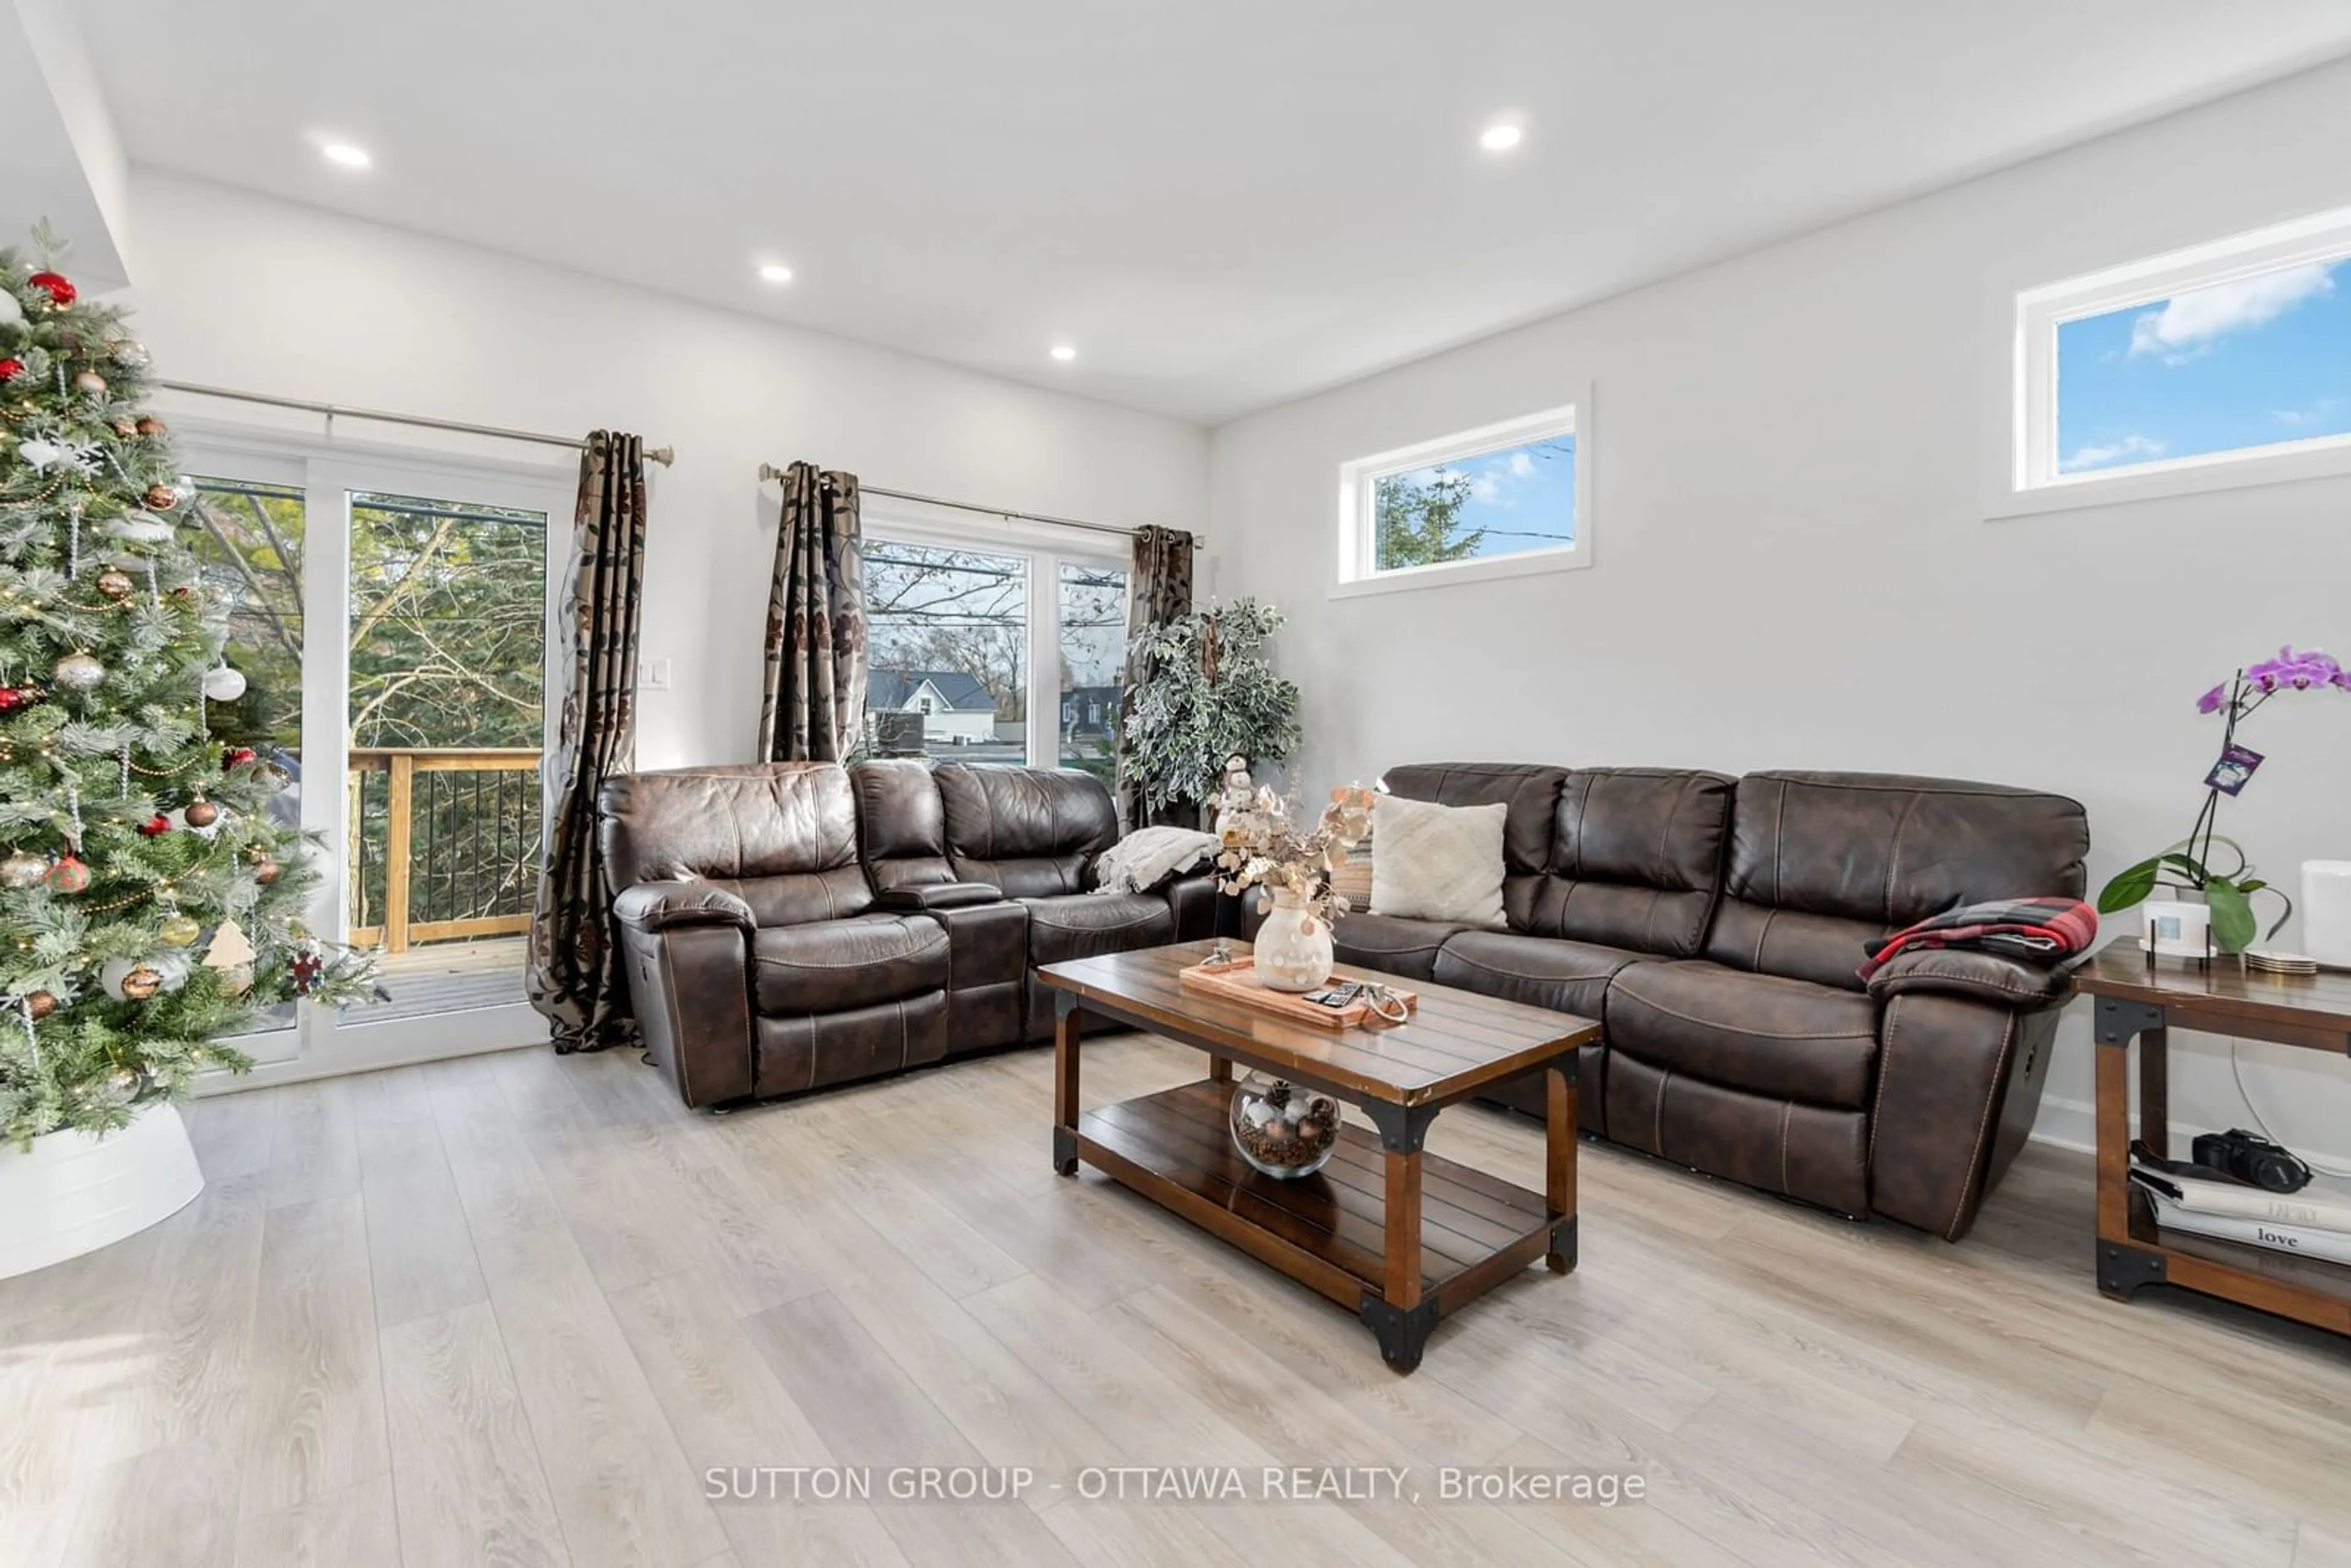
(790, 926)
(786, 926)
(1714, 925)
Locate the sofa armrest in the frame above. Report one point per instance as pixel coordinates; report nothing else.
(1964, 972)
(1958, 1082)
(1195, 900)
(690, 988)
(923, 897)
(665, 906)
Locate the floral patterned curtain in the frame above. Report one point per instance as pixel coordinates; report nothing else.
(573, 970)
(813, 706)
(1159, 589)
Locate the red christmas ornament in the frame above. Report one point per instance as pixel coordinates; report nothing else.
(61, 292)
(156, 826)
(10, 369)
(234, 756)
(69, 876)
(14, 697)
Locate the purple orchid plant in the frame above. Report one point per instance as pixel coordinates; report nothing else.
(2187, 864)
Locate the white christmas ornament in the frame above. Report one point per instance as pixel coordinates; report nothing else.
(224, 685)
(12, 314)
(140, 527)
(110, 977)
(39, 453)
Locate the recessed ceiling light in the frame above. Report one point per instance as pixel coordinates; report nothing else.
(776, 272)
(1064, 353)
(1500, 137)
(349, 156)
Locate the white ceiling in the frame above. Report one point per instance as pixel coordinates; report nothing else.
(1222, 203)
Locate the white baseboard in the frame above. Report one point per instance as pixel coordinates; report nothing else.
(342, 1063)
(2074, 1125)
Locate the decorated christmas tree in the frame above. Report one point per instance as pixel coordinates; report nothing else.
(148, 905)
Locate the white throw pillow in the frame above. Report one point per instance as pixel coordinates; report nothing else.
(1437, 862)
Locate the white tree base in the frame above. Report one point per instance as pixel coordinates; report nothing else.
(74, 1193)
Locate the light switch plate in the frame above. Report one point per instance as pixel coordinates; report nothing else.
(653, 675)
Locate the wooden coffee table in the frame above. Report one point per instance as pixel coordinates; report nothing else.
(1399, 1237)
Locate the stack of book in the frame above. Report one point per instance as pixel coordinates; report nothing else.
(2305, 1224)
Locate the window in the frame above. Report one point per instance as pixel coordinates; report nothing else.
(947, 634)
(997, 655)
(1498, 501)
(2226, 365)
(1093, 636)
(248, 549)
(390, 612)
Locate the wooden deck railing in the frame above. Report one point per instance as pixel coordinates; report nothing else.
(444, 843)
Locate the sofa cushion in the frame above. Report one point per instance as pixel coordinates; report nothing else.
(1530, 793)
(1540, 971)
(1391, 945)
(1087, 924)
(1821, 862)
(1437, 862)
(1032, 832)
(1807, 1152)
(901, 828)
(832, 965)
(1636, 859)
(781, 836)
(1767, 1034)
(1826, 949)
(811, 1051)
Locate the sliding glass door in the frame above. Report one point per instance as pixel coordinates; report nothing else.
(392, 617)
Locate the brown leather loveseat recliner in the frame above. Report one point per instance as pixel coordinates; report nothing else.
(789, 925)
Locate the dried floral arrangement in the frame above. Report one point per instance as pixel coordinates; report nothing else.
(1261, 845)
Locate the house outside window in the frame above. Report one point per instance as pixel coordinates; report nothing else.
(995, 651)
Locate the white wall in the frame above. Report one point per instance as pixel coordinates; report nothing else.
(243, 291)
(1794, 566)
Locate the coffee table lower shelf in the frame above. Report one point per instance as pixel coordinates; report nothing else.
(1329, 1230)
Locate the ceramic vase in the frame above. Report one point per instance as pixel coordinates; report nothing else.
(1293, 946)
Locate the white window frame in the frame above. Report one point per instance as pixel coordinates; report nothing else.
(1045, 550)
(2032, 480)
(322, 1042)
(1359, 480)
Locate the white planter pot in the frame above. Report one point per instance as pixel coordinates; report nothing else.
(73, 1193)
(2175, 928)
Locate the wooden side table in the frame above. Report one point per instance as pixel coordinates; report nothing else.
(2134, 998)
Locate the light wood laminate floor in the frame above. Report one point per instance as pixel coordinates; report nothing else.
(511, 1309)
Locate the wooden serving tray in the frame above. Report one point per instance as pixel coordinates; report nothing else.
(1237, 981)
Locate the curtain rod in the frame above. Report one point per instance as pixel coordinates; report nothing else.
(769, 471)
(663, 456)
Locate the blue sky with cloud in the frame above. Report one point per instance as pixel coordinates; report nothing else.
(1523, 497)
(2252, 362)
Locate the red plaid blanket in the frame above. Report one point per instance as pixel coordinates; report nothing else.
(2036, 930)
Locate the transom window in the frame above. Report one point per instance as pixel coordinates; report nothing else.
(1496, 501)
(2228, 363)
